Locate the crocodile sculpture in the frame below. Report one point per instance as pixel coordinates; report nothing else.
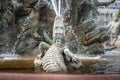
(52, 58)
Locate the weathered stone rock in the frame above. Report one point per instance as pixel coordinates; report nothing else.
(40, 22)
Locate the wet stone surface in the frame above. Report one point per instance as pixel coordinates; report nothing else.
(108, 63)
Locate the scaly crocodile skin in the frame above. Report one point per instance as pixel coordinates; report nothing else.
(53, 61)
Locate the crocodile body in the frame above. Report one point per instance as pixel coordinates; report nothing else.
(53, 61)
(51, 56)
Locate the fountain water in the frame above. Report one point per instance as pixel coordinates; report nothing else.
(21, 36)
(59, 6)
(55, 6)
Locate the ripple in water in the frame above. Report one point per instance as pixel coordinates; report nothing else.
(112, 66)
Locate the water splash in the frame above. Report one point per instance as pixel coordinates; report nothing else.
(86, 57)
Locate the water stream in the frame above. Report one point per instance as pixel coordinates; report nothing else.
(60, 7)
(55, 7)
(21, 36)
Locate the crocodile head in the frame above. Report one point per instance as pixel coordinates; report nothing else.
(58, 31)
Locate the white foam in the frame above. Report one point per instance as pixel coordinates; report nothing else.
(114, 53)
(91, 58)
(10, 58)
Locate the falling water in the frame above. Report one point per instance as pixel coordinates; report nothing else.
(59, 7)
(21, 36)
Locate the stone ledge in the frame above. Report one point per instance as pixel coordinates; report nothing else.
(28, 63)
(17, 76)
